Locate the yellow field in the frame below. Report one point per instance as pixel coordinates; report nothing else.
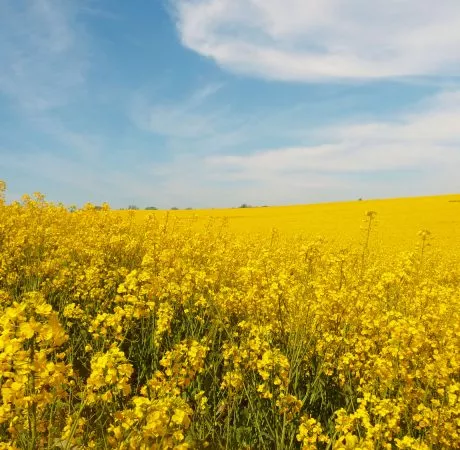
(154, 331)
(397, 222)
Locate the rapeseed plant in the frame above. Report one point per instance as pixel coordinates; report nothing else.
(123, 333)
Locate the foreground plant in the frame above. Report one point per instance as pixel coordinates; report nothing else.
(118, 333)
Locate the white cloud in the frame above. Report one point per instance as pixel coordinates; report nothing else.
(306, 40)
(414, 153)
(426, 143)
(225, 162)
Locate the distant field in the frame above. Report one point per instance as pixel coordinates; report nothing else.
(397, 221)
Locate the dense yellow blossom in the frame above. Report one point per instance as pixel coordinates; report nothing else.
(339, 330)
(110, 376)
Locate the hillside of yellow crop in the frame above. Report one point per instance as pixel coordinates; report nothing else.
(130, 331)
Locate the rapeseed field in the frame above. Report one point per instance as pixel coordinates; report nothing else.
(398, 220)
(310, 327)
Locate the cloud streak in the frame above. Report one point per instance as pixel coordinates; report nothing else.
(425, 142)
(416, 152)
(310, 40)
(413, 152)
(187, 119)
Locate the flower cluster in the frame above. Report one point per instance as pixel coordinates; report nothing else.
(122, 330)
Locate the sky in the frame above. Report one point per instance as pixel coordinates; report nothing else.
(215, 103)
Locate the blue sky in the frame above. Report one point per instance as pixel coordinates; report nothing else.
(207, 103)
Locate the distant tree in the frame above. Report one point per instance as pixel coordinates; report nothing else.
(174, 208)
(151, 208)
(189, 209)
(245, 205)
(133, 207)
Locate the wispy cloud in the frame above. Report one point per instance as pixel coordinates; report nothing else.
(45, 56)
(414, 152)
(204, 121)
(187, 118)
(426, 143)
(307, 40)
(42, 49)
